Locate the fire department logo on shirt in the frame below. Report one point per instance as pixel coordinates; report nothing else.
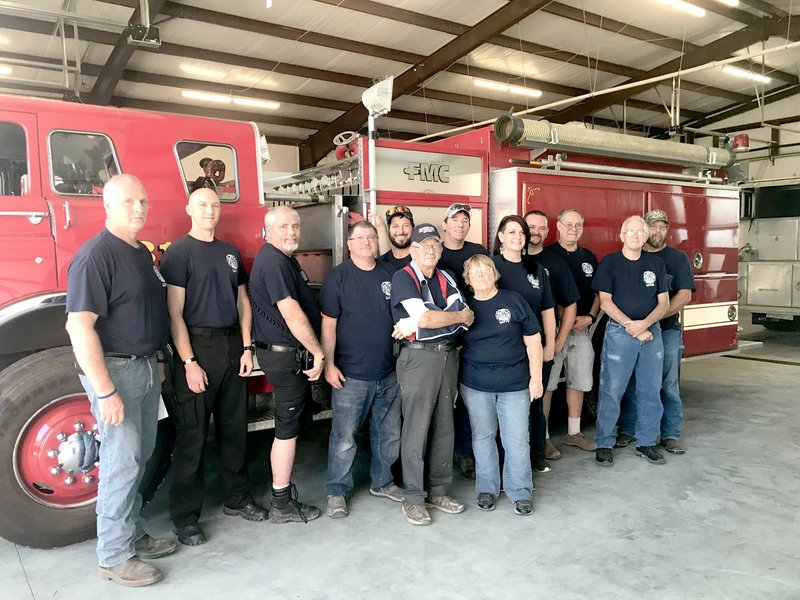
(232, 262)
(649, 278)
(588, 269)
(533, 281)
(503, 315)
(160, 277)
(386, 288)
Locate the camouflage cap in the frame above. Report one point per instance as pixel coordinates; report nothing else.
(656, 215)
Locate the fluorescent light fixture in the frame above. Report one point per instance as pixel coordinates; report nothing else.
(268, 104)
(502, 87)
(223, 99)
(693, 10)
(4, 41)
(208, 97)
(729, 2)
(731, 70)
(4, 70)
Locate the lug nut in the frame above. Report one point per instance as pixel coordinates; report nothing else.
(55, 470)
(78, 426)
(52, 453)
(61, 436)
(88, 479)
(69, 480)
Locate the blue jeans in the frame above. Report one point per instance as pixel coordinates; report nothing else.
(124, 451)
(672, 419)
(351, 405)
(511, 410)
(622, 357)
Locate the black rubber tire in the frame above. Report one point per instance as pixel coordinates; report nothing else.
(25, 387)
(781, 325)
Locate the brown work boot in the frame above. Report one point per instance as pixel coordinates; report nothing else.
(134, 572)
(580, 441)
(149, 547)
(550, 450)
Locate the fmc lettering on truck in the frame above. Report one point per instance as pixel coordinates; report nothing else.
(56, 156)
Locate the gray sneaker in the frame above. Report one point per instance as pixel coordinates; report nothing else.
(392, 492)
(148, 547)
(416, 514)
(673, 446)
(132, 573)
(337, 507)
(623, 440)
(445, 504)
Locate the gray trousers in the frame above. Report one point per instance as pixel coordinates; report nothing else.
(428, 386)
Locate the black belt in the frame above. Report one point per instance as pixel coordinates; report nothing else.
(276, 347)
(212, 331)
(129, 356)
(444, 347)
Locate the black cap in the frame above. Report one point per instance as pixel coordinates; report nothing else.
(424, 231)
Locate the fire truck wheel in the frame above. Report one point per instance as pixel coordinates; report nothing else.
(48, 453)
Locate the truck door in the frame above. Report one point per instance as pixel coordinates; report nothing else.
(26, 239)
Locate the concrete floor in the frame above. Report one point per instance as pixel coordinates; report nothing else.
(719, 522)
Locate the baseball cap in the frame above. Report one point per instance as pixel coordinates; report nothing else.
(424, 231)
(402, 211)
(656, 215)
(456, 208)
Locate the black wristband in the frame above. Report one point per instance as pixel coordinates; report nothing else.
(251, 347)
(593, 317)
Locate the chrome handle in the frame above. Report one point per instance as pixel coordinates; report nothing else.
(34, 217)
(67, 216)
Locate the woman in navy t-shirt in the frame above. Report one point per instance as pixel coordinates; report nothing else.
(500, 371)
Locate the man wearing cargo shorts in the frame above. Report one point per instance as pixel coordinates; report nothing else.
(117, 320)
(577, 356)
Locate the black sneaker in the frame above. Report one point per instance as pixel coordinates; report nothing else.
(486, 501)
(523, 507)
(651, 454)
(294, 511)
(624, 439)
(603, 457)
(540, 465)
(250, 512)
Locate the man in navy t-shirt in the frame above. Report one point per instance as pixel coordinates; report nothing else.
(357, 339)
(681, 286)
(400, 222)
(117, 320)
(286, 325)
(429, 311)
(632, 286)
(455, 252)
(210, 321)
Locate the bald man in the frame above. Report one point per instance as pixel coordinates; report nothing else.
(210, 322)
(117, 320)
(632, 286)
(286, 328)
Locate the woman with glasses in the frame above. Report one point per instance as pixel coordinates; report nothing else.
(525, 276)
(500, 371)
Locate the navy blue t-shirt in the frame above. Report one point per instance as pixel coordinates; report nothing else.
(679, 277)
(633, 284)
(359, 301)
(562, 283)
(494, 358)
(276, 276)
(454, 261)
(120, 284)
(534, 287)
(583, 264)
(211, 273)
(404, 287)
(393, 263)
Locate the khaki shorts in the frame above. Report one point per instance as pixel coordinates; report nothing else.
(577, 358)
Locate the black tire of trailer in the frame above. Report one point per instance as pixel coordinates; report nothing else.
(25, 387)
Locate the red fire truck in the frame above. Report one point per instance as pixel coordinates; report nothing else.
(56, 156)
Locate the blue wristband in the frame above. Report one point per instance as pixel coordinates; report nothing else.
(108, 395)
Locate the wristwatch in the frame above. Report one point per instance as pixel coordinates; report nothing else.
(251, 347)
(592, 317)
(191, 359)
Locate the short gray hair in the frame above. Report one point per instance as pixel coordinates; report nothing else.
(272, 214)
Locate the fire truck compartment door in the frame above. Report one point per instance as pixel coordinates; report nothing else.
(26, 240)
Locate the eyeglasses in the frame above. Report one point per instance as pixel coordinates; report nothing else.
(576, 226)
(634, 232)
(430, 246)
(480, 270)
(365, 238)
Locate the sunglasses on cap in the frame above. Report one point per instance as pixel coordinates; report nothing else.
(402, 211)
(457, 208)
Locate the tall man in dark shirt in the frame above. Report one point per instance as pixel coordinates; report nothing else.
(577, 355)
(455, 252)
(286, 326)
(210, 322)
(357, 339)
(117, 320)
(565, 295)
(632, 286)
(430, 312)
(681, 285)
(400, 222)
